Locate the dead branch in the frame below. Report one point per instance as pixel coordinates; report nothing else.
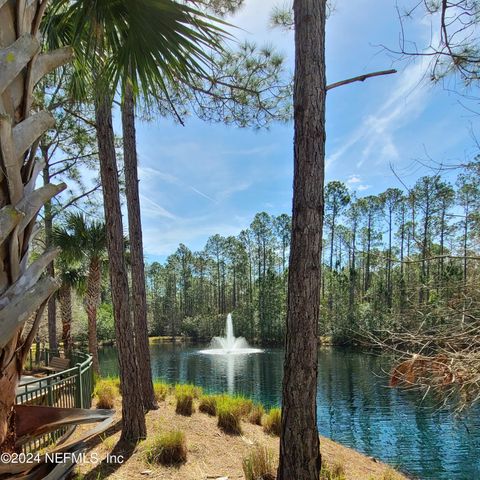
(359, 78)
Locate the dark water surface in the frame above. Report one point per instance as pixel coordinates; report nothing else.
(355, 407)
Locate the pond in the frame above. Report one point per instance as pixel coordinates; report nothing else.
(355, 406)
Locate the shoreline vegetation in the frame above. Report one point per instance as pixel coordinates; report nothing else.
(195, 436)
(324, 340)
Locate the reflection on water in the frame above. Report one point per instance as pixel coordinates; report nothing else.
(354, 405)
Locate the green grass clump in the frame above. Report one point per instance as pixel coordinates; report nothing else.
(184, 395)
(259, 465)
(161, 390)
(193, 390)
(272, 422)
(245, 405)
(108, 441)
(389, 474)
(335, 472)
(107, 391)
(197, 392)
(188, 388)
(256, 414)
(113, 381)
(229, 414)
(208, 404)
(168, 448)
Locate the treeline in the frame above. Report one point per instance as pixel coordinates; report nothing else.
(193, 291)
(396, 260)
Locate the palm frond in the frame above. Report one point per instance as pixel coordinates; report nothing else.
(149, 43)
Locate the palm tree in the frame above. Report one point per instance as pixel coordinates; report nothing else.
(144, 45)
(23, 290)
(85, 241)
(72, 277)
(151, 85)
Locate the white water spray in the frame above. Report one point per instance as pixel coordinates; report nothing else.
(229, 345)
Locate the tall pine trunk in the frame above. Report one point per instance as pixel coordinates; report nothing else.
(299, 442)
(133, 415)
(139, 296)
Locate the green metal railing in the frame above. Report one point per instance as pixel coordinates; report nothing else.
(70, 388)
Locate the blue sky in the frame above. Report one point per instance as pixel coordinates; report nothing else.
(203, 178)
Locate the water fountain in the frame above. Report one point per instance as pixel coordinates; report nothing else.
(229, 345)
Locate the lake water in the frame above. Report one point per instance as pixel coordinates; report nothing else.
(355, 407)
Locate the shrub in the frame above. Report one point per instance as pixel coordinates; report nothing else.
(390, 474)
(188, 388)
(184, 395)
(108, 441)
(167, 448)
(272, 422)
(107, 391)
(197, 392)
(161, 390)
(259, 465)
(113, 381)
(229, 414)
(256, 414)
(208, 404)
(245, 405)
(335, 472)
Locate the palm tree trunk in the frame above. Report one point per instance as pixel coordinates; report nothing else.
(65, 300)
(139, 296)
(299, 442)
(23, 290)
(133, 414)
(91, 305)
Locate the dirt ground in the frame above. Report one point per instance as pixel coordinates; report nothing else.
(211, 453)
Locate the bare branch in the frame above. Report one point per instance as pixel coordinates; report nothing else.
(360, 78)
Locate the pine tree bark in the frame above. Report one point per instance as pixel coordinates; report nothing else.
(139, 296)
(133, 415)
(299, 442)
(91, 306)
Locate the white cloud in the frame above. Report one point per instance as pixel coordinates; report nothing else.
(192, 232)
(257, 151)
(354, 183)
(231, 189)
(204, 195)
(149, 174)
(153, 209)
(353, 179)
(375, 137)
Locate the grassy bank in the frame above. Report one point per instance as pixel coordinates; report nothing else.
(196, 436)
